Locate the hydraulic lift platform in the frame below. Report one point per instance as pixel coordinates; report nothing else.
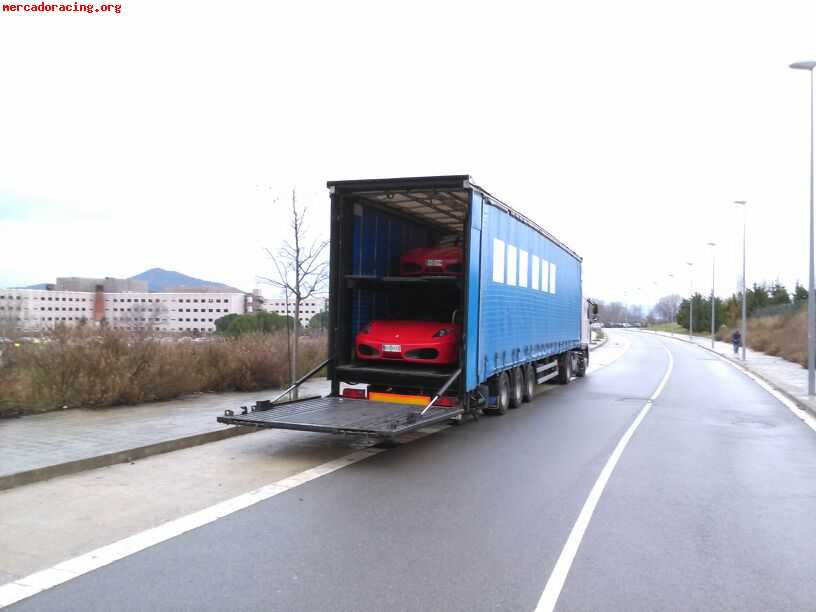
(341, 415)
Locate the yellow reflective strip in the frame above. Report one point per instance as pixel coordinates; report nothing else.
(396, 398)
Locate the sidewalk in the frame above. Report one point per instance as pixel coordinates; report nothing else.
(43, 446)
(788, 377)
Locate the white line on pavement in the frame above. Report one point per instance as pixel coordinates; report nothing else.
(552, 590)
(798, 412)
(32, 584)
(67, 570)
(613, 350)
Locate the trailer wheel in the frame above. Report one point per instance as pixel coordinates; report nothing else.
(500, 387)
(564, 368)
(516, 387)
(529, 383)
(583, 359)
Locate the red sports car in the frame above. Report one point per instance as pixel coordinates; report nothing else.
(415, 341)
(442, 260)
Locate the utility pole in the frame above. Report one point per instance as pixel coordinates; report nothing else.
(744, 331)
(712, 245)
(691, 300)
(811, 333)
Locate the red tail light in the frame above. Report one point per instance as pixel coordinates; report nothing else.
(447, 401)
(354, 393)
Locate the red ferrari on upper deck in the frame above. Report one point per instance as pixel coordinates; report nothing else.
(442, 260)
(416, 341)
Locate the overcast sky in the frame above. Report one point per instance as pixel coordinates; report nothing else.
(162, 136)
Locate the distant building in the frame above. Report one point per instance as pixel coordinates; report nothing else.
(36, 309)
(108, 284)
(308, 308)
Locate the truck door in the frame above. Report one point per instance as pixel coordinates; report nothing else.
(472, 301)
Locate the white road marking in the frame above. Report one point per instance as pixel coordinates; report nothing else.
(32, 584)
(613, 350)
(13, 592)
(798, 412)
(555, 583)
(67, 570)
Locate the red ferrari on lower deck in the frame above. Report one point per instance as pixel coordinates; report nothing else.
(411, 341)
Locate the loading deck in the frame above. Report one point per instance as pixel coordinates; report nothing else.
(342, 415)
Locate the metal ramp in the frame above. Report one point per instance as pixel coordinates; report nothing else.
(342, 416)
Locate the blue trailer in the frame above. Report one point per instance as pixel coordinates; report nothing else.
(517, 301)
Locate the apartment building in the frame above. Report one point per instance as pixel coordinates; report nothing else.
(308, 308)
(37, 309)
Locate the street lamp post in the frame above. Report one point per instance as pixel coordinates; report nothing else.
(712, 245)
(691, 299)
(809, 66)
(744, 331)
(671, 288)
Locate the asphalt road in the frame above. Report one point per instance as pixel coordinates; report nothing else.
(711, 507)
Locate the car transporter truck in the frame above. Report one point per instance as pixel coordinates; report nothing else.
(443, 302)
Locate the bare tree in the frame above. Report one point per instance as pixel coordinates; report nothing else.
(612, 312)
(300, 268)
(9, 326)
(666, 308)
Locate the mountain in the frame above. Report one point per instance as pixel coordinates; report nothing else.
(168, 281)
(159, 279)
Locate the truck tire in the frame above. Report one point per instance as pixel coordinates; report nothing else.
(516, 387)
(529, 383)
(564, 368)
(500, 388)
(583, 361)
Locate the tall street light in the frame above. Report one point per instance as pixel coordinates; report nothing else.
(671, 293)
(744, 331)
(657, 297)
(811, 298)
(712, 245)
(691, 299)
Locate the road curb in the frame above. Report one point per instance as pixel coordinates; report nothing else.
(600, 344)
(10, 481)
(739, 363)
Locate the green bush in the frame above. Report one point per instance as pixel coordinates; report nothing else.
(256, 322)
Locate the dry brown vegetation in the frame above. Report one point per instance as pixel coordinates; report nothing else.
(779, 335)
(86, 367)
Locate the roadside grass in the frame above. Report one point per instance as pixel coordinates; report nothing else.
(780, 335)
(90, 368)
(668, 327)
(783, 335)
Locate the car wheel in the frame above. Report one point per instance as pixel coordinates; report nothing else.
(500, 388)
(529, 383)
(516, 387)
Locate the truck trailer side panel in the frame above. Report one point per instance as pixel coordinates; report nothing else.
(530, 302)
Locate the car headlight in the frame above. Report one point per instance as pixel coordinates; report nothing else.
(440, 333)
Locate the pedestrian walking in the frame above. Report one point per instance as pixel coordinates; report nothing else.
(736, 340)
